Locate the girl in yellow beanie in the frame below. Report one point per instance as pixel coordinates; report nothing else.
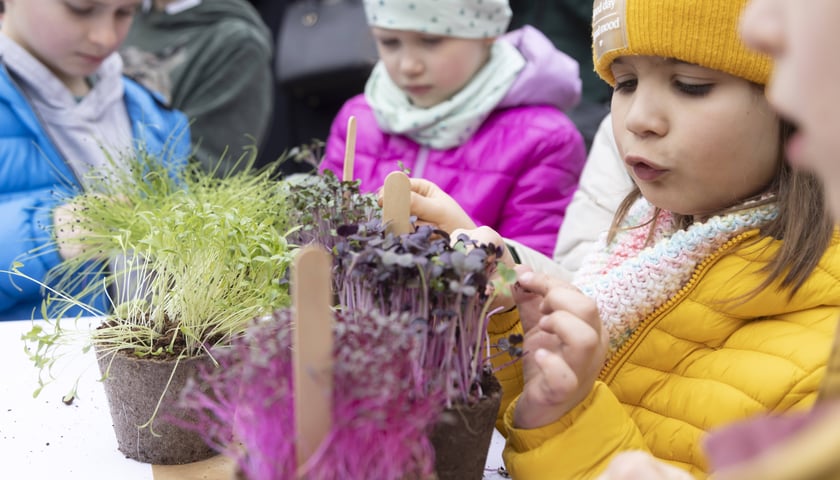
(713, 297)
(801, 446)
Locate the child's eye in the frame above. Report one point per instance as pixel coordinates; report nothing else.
(79, 10)
(628, 85)
(388, 42)
(127, 12)
(694, 89)
(431, 40)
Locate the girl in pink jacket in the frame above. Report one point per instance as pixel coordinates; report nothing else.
(479, 116)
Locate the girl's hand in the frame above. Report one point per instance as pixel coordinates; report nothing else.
(67, 232)
(66, 221)
(431, 205)
(565, 350)
(636, 464)
(486, 235)
(528, 302)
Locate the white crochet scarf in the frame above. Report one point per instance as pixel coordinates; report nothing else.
(452, 122)
(629, 280)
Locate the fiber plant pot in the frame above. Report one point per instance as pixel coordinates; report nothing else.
(462, 437)
(133, 388)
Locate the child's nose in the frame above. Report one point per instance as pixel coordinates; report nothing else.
(104, 33)
(645, 115)
(411, 65)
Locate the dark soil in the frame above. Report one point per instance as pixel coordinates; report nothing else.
(462, 436)
(170, 343)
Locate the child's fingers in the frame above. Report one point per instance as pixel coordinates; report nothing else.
(424, 208)
(541, 283)
(482, 235)
(575, 334)
(581, 347)
(520, 292)
(632, 465)
(422, 187)
(485, 236)
(548, 381)
(556, 377)
(559, 295)
(522, 269)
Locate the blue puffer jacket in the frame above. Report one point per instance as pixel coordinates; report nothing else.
(34, 177)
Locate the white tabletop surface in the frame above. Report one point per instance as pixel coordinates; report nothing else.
(42, 438)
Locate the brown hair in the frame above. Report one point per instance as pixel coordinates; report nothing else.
(803, 221)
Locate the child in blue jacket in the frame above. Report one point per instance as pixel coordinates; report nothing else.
(65, 109)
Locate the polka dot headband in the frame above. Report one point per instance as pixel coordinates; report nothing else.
(454, 18)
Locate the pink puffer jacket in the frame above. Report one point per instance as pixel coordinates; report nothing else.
(516, 174)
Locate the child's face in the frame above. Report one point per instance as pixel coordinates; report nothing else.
(803, 39)
(70, 37)
(695, 140)
(430, 68)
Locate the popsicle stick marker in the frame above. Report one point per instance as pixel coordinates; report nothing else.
(396, 203)
(349, 150)
(312, 353)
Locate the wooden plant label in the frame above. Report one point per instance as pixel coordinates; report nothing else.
(312, 349)
(396, 203)
(349, 150)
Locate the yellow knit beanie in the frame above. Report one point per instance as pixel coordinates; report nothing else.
(702, 32)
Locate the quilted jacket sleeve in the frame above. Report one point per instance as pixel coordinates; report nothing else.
(577, 446)
(508, 371)
(27, 220)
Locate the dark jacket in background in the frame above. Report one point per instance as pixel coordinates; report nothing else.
(299, 119)
(568, 23)
(213, 62)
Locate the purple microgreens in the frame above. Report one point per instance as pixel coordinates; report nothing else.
(323, 206)
(381, 408)
(446, 289)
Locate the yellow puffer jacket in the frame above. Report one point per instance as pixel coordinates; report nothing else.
(696, 363)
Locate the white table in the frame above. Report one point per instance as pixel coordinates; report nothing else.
(42, 438)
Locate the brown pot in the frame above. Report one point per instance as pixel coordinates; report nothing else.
(462, 437)
(133, 388)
